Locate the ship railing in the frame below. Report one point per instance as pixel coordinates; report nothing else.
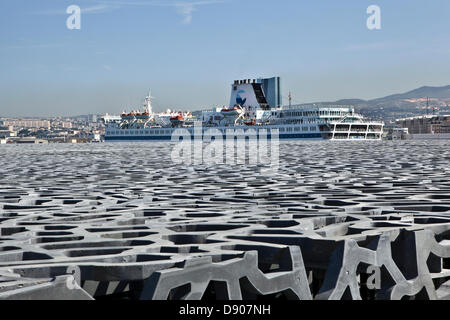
(342, 129)
(358, 130)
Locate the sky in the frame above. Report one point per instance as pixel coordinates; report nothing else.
(190, 51)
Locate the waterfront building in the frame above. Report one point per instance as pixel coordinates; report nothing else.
(430, 124)
(28, 123)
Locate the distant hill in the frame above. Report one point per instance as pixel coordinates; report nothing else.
(350, 101)
(402, 105)
(432, 92)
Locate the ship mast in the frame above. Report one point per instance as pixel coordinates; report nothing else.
(148, 102)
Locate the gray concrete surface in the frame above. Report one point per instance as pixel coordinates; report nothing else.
(121, 221)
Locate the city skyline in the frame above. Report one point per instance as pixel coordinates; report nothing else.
(189, 52)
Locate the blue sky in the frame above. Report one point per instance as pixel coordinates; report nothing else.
(189, 52)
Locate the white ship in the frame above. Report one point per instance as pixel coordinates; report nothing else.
(248, 109)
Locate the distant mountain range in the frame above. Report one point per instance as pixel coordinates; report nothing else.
(402, 105)
(432, 92)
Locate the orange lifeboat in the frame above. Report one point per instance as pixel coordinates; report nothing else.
(252, 122)
(177, 120)
(234, 109)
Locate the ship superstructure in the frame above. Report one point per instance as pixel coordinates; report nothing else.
(248, 108)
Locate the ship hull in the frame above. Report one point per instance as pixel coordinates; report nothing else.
(313, 136)
(240, 132)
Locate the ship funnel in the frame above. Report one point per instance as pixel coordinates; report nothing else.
(248, 93)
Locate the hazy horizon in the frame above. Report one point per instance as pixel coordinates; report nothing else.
(189, 52)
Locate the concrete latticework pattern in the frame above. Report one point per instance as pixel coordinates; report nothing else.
(337, 221)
